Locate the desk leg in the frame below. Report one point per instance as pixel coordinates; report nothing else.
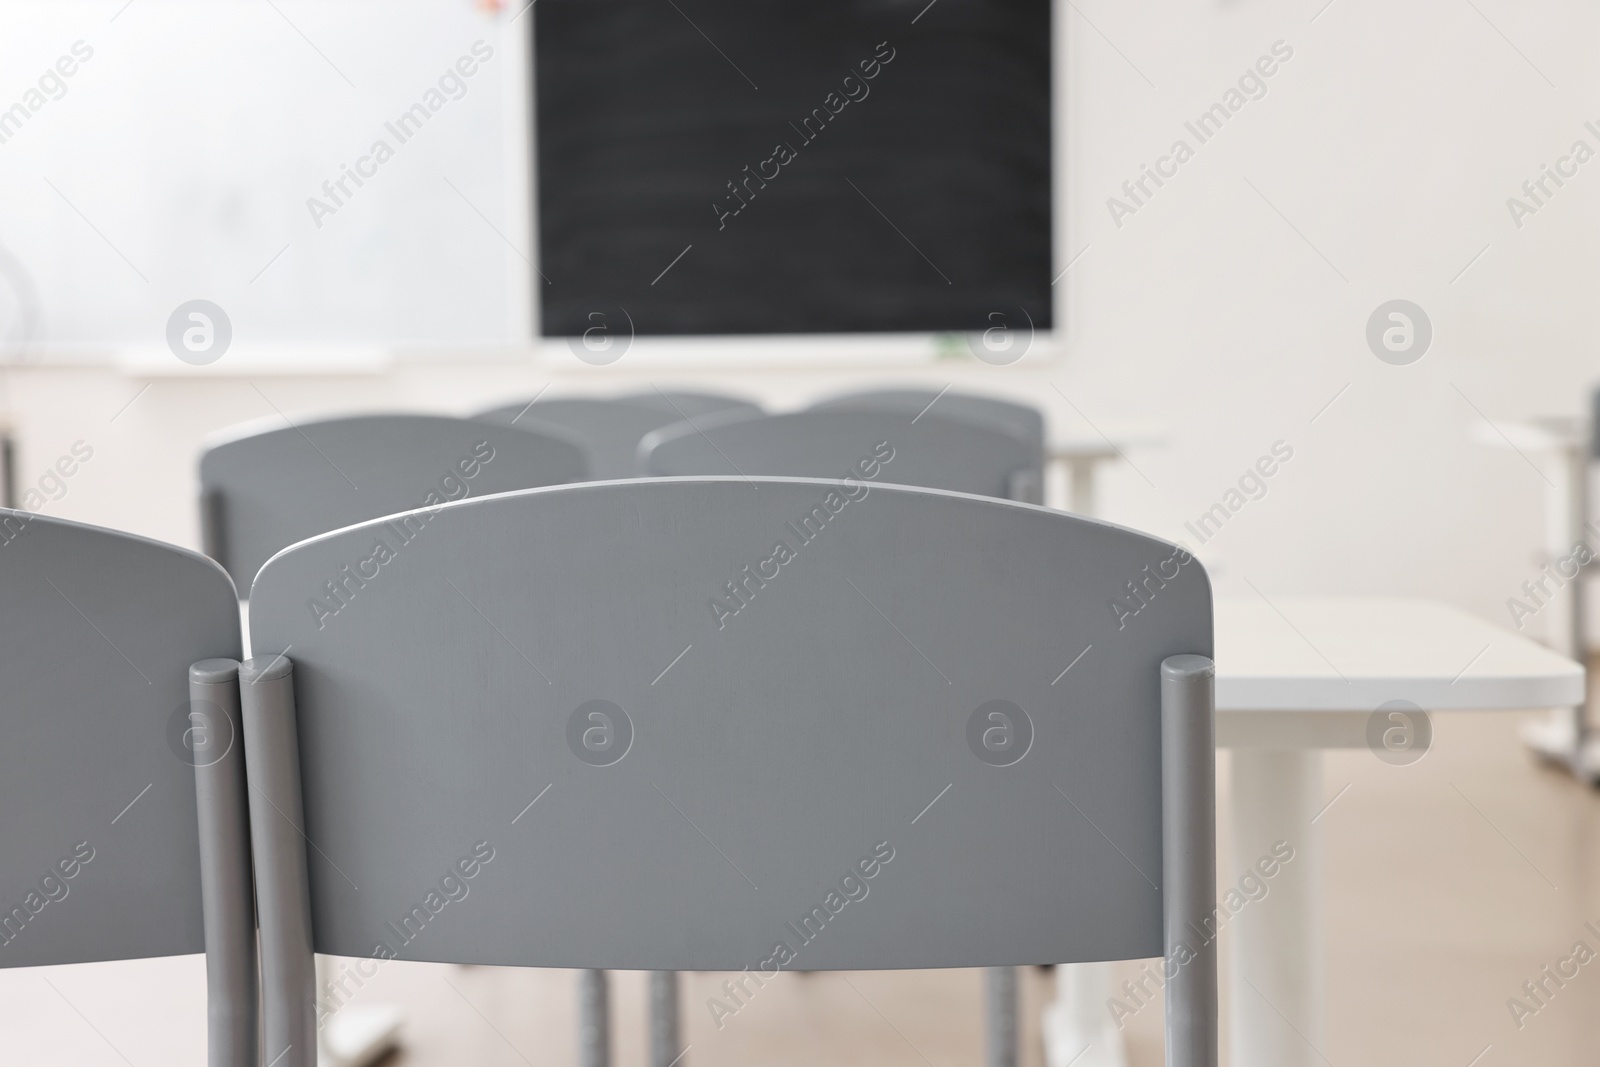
(354, 1035)
(594, 1019)
(1078, 1031)
(665, 1020)
(1080, 486)
(1276, 985)
(1564, 736)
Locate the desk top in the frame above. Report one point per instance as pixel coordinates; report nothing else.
(1355, 653)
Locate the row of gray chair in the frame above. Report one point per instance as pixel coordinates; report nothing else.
(266, 487)
(634, 778)
(274, 493)
(611, 428)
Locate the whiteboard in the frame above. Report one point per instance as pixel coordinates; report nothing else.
(179, 160)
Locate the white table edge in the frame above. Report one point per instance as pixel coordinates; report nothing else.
(1512, 692)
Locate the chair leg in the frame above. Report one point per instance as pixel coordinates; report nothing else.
(665, 1046)
(1001, 988)
(594, 1020)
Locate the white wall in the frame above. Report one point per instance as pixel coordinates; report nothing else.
(1390, 142)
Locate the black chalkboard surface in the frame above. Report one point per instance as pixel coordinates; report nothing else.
(793, 166)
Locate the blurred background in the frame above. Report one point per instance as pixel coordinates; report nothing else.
(1226, 314)
(1196, 325)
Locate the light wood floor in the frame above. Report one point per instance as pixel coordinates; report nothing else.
(1450, 883)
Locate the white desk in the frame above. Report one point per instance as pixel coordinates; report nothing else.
(1083, 455)
(1562, 444)
(1294, 677)
(1291, 684)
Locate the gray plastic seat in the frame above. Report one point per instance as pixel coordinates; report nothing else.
(1594, 423)
(125, 833)
(897, 443)
(1020, 419)
(935, 451)
(819, 726)
(262, 489)
(692, 405)
(609, 429)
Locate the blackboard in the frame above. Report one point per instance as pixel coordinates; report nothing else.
(792, 166)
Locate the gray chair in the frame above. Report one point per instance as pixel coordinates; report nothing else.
(8, 470)
(692, 405)
(263, 489)
(896, 443)
(125, 832)
(935, 451)
(611, 427)
(698, 732)
(1022, 420)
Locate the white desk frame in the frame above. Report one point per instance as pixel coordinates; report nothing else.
(1290, 685)
(1082, 457)
(1565, 737)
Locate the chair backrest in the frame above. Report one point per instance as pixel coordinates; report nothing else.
(1594, 425)
(1021, 419)
(711, 720)
(609, 429)
(691, 405)
(262, 489)
(102, 754)
(897, 446)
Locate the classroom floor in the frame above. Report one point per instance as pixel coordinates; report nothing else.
(1450, 883)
